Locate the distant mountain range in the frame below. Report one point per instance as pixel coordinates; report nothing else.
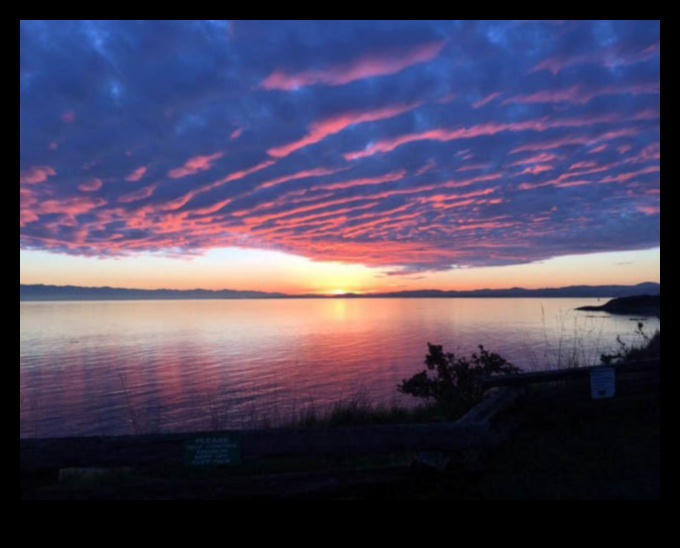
(41, 292)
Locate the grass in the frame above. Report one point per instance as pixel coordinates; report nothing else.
(566, 346)
(358, 411)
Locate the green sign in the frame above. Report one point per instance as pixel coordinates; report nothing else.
(212, 451)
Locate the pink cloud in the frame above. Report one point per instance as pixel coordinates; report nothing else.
(91, 186)
(429, 166)
(536, 169)
(577, 95)
(580, 140)
(137, 174)
(541, 158)
(176, 203)
(318, 172)
(598, 149)
(618, 133)
(491, 128)
(26, 217)
(330, 126)
(68, 207)
(472, 167)
(569, 95)
(53, 146)
(650, 210)
(551, 144)
(582, 165)
(73, 206)
(36, 174)
(486, 100)
(456, 198)
(256, 220)
(236, 133)
(387, 178)
(489, 225)
(137, 195)
(183, 200)
(469, 182)
(607, 58)
(304, 220)
(68, 117)
(650, 153)
(625, 177)
(211, 209)
(240, 174)
(195, 165)
(368, 66)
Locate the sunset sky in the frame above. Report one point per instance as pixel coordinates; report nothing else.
(339, 156)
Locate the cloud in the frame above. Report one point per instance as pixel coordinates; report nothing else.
(91, 185)
(387, 178)
(367, 66)
(578, 95)
(405, 146)
(317, 172)
(536, 169)
(137, 195)
(609, 57)
(318, 131)
(36, 174)
(480, 130)
(195, 165)
(486, 100)
(137, 174)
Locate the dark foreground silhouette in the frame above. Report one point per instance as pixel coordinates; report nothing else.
(645, 305)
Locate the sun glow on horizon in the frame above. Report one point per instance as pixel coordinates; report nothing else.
(274, 271)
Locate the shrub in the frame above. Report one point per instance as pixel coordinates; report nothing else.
(650, 349)
(454, 383)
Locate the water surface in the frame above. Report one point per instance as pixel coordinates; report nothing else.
(121, 367)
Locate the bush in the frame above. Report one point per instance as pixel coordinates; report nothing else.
(650, 349)
(455, 384)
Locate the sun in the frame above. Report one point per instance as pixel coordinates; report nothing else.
(337, 292)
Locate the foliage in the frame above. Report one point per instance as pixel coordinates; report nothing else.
(455, 383)
(650, 348)
(359, 411)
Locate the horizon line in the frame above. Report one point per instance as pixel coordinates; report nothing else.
(338, 294)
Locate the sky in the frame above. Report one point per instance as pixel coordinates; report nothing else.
(339, 156)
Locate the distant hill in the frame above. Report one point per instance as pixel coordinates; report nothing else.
(41, 292)
(646, 305)
(601, 291)
(75, 293)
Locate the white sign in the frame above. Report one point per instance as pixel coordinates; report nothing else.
(602, 383)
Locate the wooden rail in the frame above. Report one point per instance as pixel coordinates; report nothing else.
(173, 449)
(524, 379)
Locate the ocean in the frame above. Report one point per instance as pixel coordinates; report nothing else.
(132, 367)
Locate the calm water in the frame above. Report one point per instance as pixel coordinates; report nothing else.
(121, 367)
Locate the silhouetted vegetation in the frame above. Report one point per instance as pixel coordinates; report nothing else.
(453, 383)
(360, 411)
(650, 349)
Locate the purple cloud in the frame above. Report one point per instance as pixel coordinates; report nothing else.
(407, 146)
